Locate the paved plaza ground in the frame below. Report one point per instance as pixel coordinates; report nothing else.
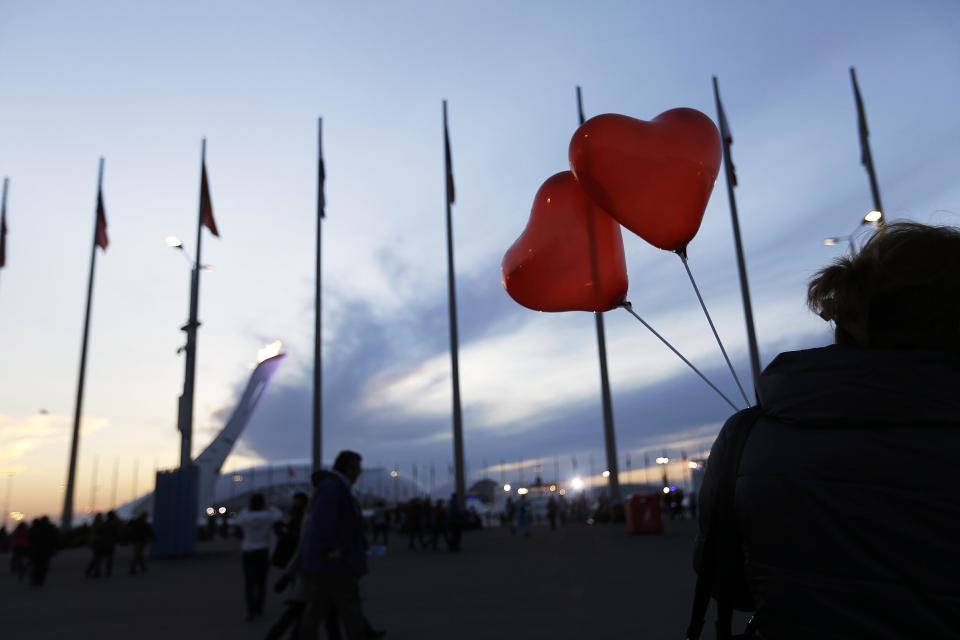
(578, 582)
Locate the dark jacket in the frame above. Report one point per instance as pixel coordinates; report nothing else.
(333, 541)
(847, 499)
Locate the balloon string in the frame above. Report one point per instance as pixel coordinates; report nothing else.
(629, 308)
(683, 259)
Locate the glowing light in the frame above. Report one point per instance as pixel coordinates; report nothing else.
(237, 478)
(563, 492)
(222, 510)
(605, 474)
(522, 491)
(269, 351)
(873, 216)
(16, 515)
(394, 473)
(553, 487)
(693, 465)
(174, 242)
(210, 511)
(663, 460)
(829, 242)
(666, 489)
(507, 487)
(577, 483)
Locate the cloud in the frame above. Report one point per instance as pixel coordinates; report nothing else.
(19, 437)
(529, 382)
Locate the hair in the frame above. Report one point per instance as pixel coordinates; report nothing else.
(346, 460)
(901, 291)
(257, 502)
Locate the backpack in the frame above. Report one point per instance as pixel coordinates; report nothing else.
(720, 574)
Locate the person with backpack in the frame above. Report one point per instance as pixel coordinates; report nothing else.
(832, 508)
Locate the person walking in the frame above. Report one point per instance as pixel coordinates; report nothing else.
(381, 523)
(109, 536)
(140, 534)
(20, 550)
(95, 541)
(334, 553)
(438, 524)
(43, 545)
(838, 492)
(552, 513)
(288, 533)
(256, 522)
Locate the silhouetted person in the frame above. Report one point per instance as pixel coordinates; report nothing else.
(95, 539)
(43, 545)
(438, 523)
(454, 524)
(413, 521)
(510, 515)
(335, 553)
(381, 524)
(523, 517)
(20, 550)
(256, 522)
(846, 501)
(140, 534)
(288, 532)
(552, 513)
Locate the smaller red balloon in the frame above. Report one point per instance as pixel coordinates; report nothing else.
(655, 177)
(570, 256)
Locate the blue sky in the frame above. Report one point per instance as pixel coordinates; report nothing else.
(141, 84)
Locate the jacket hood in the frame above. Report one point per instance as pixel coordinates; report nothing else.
(843, 386)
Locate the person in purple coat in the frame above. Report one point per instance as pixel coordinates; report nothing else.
(334, 552)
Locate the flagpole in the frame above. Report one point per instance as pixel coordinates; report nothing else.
(460, 481)
(738, 242)
(66, 521)
(609, 435)
(317, 444)
(189, 378)
(867, 157)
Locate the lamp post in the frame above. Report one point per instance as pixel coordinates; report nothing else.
(874, 217)
(663, 461)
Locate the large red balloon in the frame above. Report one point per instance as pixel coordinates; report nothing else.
(570, 256)
(654, 177)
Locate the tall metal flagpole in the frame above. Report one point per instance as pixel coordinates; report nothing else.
(460, 480)
(727, 139)
(66, 521)
(609, 436)
(866, 157)
(3, 229)
(317, 445)
(189, 377)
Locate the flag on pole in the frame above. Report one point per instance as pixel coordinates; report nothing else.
(206, 205)
(3, 227)
(865, 158)
(448, 159)
(101, 239)
(727, 138)
(321, 179)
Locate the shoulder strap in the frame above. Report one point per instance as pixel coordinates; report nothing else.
(721, 511)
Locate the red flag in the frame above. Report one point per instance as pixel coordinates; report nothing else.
(101, 235)
(448, 159)
(3, 227)
(206, 206)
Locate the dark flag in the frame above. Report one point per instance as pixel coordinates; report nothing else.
(206, 205)
(101, 238)
(321, 182)
(3, 227)
(727, 138)
(865, 157)
(448, 159)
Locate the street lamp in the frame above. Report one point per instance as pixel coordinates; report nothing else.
(664, 461)
(874, 217)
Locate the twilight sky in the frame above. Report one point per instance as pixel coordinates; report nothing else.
(141, 83)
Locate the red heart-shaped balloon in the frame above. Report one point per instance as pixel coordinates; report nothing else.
(654, 177)
(570, 256)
